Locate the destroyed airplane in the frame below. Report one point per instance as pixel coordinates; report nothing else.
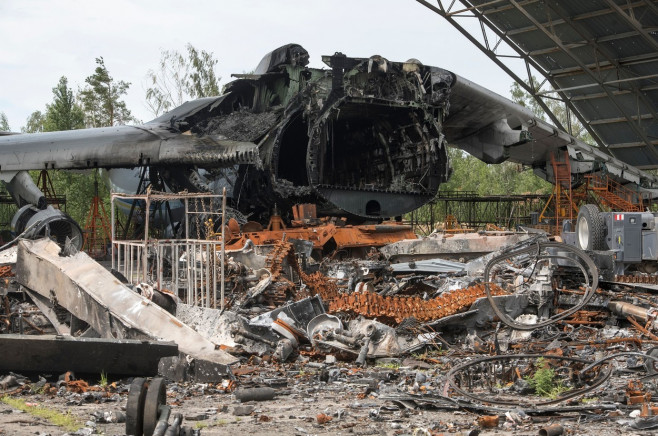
(365, 138)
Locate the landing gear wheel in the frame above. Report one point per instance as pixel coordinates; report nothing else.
(156, 396)
(135, 407)
(589, 228)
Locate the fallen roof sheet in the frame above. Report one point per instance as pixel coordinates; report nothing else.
(93, 294)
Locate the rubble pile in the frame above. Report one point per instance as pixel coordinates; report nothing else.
(510, 338)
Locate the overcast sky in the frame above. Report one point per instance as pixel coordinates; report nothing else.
(43, 40)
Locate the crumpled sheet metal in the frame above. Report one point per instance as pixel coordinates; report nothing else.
(432, 266)
(467, 245)
(382, 340)
(93, 294)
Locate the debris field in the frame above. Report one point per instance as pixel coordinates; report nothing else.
(530, 338)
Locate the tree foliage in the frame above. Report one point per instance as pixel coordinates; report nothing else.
(63, 113)
(101, 99)
(470, 174)
(202, 80)
(181, 77)
(4, 123)
(34, 123)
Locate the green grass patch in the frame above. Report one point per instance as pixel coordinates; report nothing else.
(544, 383)
(64, 420)
(103, 380)
(205, 424)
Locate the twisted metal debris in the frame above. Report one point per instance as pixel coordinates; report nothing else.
(373, 305)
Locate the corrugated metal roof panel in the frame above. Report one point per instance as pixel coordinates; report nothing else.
(618, 52)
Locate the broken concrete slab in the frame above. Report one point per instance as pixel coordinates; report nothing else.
(93, 294)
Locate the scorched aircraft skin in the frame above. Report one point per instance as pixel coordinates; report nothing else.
(363, 138)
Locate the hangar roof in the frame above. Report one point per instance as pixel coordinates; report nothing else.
(600, 57)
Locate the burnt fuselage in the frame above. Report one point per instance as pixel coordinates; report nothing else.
(363, 137)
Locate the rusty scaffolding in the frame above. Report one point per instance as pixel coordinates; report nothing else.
(476, 211)
(191, 268)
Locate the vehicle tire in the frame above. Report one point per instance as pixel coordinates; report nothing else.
(589, 228)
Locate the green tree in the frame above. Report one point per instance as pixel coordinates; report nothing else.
(470, 173)
(202, 82)
(4, 123)
(101, 99)
(179, 78)
(34, 123)
(559, 109)
(63, 113)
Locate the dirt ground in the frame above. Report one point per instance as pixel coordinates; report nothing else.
(350, 398)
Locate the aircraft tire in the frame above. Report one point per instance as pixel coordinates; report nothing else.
(589, 228)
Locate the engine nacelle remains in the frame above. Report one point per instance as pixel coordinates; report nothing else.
(48, 222)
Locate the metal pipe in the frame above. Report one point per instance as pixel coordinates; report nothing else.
(146, 235)
(112, 230)
(255, 394)
(208, 264)
(624, 309)
(552, 430)
(221, 261)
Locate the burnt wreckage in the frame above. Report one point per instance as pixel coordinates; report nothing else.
(366, 138)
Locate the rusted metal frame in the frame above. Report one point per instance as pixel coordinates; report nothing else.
(634, 24)
(641, 328)
(602, 95)
(576, 17)
(585, 34)
(494, 58)
(579, 44)
(575, 58)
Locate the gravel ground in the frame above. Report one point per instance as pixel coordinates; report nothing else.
(350, 398)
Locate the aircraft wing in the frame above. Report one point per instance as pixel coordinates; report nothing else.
(155, 143)
(495, 129)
